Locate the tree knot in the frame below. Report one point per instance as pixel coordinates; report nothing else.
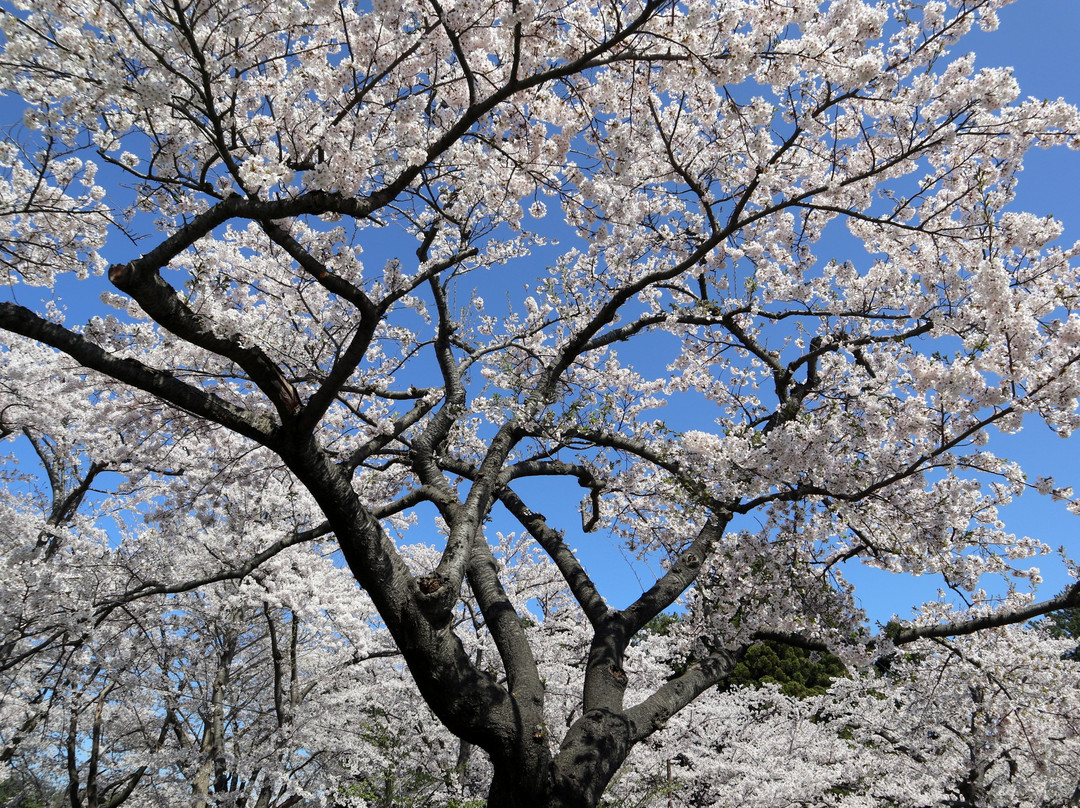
(118, 273)
(429, 584)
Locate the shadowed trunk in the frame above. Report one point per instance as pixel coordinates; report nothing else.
(592, 752)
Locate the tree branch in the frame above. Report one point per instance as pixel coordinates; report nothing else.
(581, 585)
(168, 388)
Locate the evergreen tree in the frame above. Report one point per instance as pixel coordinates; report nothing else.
(1065, 624)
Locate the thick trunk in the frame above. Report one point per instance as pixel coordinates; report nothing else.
(591, 753)
(575, 789)
(522, 776)
(507, 792)
(598, 743)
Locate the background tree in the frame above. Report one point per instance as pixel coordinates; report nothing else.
(1065, 625)
(315, 192)
(798, 672)
(988, 720)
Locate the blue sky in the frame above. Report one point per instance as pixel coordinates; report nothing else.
(1040, 40)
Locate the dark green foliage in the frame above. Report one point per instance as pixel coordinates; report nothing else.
(800, 673)
(1064, 625)
(660, 624)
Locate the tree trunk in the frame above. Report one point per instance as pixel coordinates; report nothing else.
(522, 777)
(577, 777)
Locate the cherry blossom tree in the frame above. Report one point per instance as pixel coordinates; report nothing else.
(265, 689)
(789, 222)
(984, 720)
